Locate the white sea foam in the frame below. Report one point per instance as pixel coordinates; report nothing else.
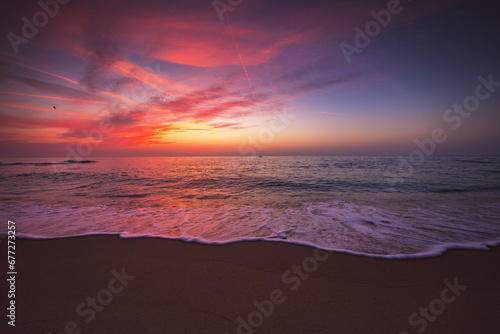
(335, 225)
(335, 203)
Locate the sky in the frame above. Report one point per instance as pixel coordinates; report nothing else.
(83, 79)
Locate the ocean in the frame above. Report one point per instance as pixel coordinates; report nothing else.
(344, 204)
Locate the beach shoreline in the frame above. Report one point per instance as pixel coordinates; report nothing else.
(107, 284)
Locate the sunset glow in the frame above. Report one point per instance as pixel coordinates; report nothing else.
(171, 78)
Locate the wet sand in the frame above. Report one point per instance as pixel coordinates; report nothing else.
(104, 284)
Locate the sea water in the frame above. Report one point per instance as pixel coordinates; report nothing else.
(346, 204)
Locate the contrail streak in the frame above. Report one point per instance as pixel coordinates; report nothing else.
(45, 72)
(13, 104)
(54, 97)
(238, 51)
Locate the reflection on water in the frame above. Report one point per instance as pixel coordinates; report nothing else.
(332, 202)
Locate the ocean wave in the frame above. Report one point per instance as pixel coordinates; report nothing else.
(335, 225)
(66, 162)
(462, 190)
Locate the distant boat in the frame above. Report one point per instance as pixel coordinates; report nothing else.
(260, 156)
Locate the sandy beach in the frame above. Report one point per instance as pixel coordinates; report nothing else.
(104, 284)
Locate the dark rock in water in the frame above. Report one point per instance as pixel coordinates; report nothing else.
(79, 162)
(369, 222)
